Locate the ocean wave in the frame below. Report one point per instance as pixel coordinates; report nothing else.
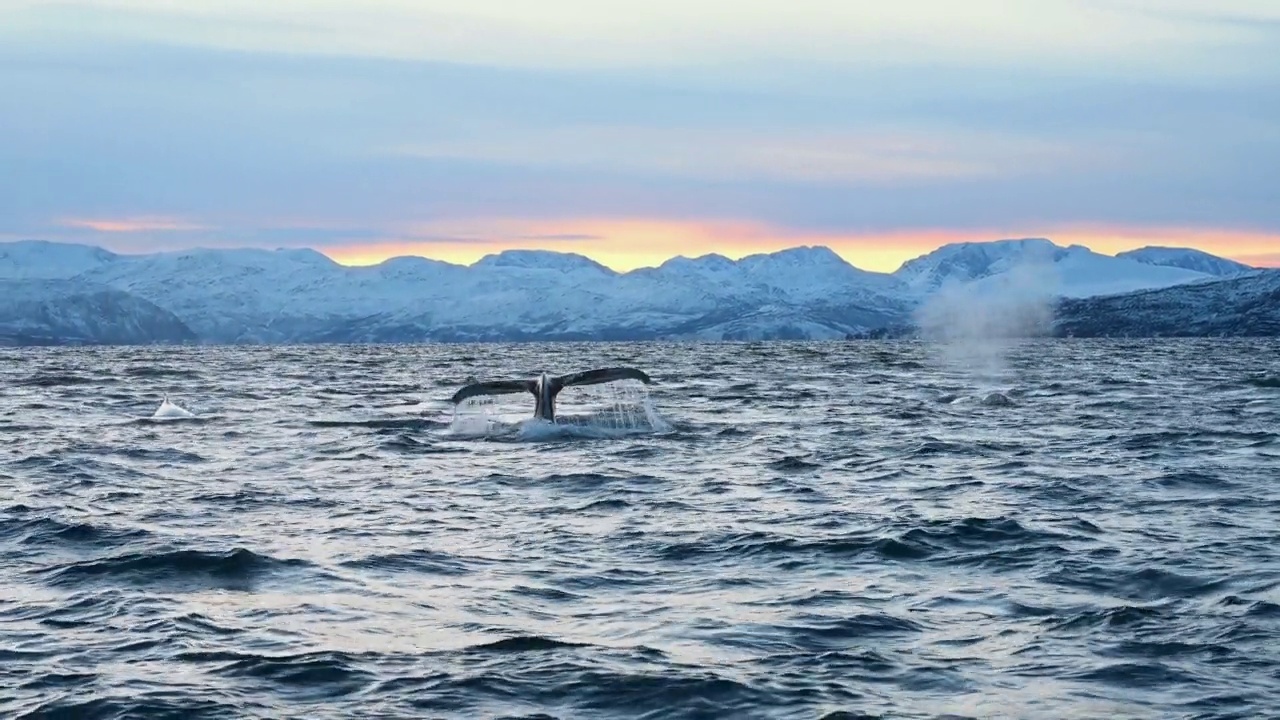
(56, 379)
(1132, 675)
(46, 530)
(132, 705)
(842, 545)
(236, 569)
(158, 371)
(407, 444)
(313, 676)
(424, 562)
(771, 546)
(1143, 584)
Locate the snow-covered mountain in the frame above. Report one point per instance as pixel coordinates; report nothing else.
(247, 295)
(1073, 271)
(1187, 259)
(38, 259)
(1241, 305)
(40, 311)
(801, 292)
(242, 295)
(966, 262)
(250, 295)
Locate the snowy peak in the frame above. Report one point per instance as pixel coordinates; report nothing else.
(1073, 271)
(803, 264)
(409, 268)
(809, 276)
(710, 263)
(798, 257)
(1187, 259)
(783, 262)
(42, 260)
(210, 276)
(305, 256)
(541, 260)
(970, 261)
(818, 274)
(247, 258)
(38, 259)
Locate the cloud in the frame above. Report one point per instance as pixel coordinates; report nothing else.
(1263, 260)
(559, 237)
(274, 128)
(1102, 37)
(870, 156)
(132, 225)
(1255, 14)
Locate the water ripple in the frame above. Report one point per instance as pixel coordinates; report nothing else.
(1066, 529)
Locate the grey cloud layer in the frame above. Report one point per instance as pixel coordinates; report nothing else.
(247, 140)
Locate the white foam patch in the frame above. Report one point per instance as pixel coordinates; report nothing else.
(608, 410)
(414, 409)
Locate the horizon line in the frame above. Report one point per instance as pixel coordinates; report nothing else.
(350, 257)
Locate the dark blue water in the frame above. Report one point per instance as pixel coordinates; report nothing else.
(791, 531)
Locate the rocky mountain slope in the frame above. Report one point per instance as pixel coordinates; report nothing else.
(59, 312)
(1240, 305)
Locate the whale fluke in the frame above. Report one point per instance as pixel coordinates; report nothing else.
(545, 388)
(496, 387)
(603, 375)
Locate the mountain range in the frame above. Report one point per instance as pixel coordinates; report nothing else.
(1242, 305)
(68, 293)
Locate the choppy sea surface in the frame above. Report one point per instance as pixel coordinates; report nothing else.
(1039, 529)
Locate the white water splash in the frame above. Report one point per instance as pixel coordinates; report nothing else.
(607, 410)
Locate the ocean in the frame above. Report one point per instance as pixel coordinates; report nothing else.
(897, 529)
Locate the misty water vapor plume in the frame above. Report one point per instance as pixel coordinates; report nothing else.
(973, 326)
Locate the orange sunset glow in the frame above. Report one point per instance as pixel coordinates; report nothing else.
(131, 224)
(628, 244)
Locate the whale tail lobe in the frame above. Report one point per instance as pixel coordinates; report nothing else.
(602, 375)
(495, 387)
(546, 388)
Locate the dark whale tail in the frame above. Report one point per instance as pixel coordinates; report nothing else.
(546, 388)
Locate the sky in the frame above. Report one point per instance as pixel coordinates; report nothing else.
(634, 132)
